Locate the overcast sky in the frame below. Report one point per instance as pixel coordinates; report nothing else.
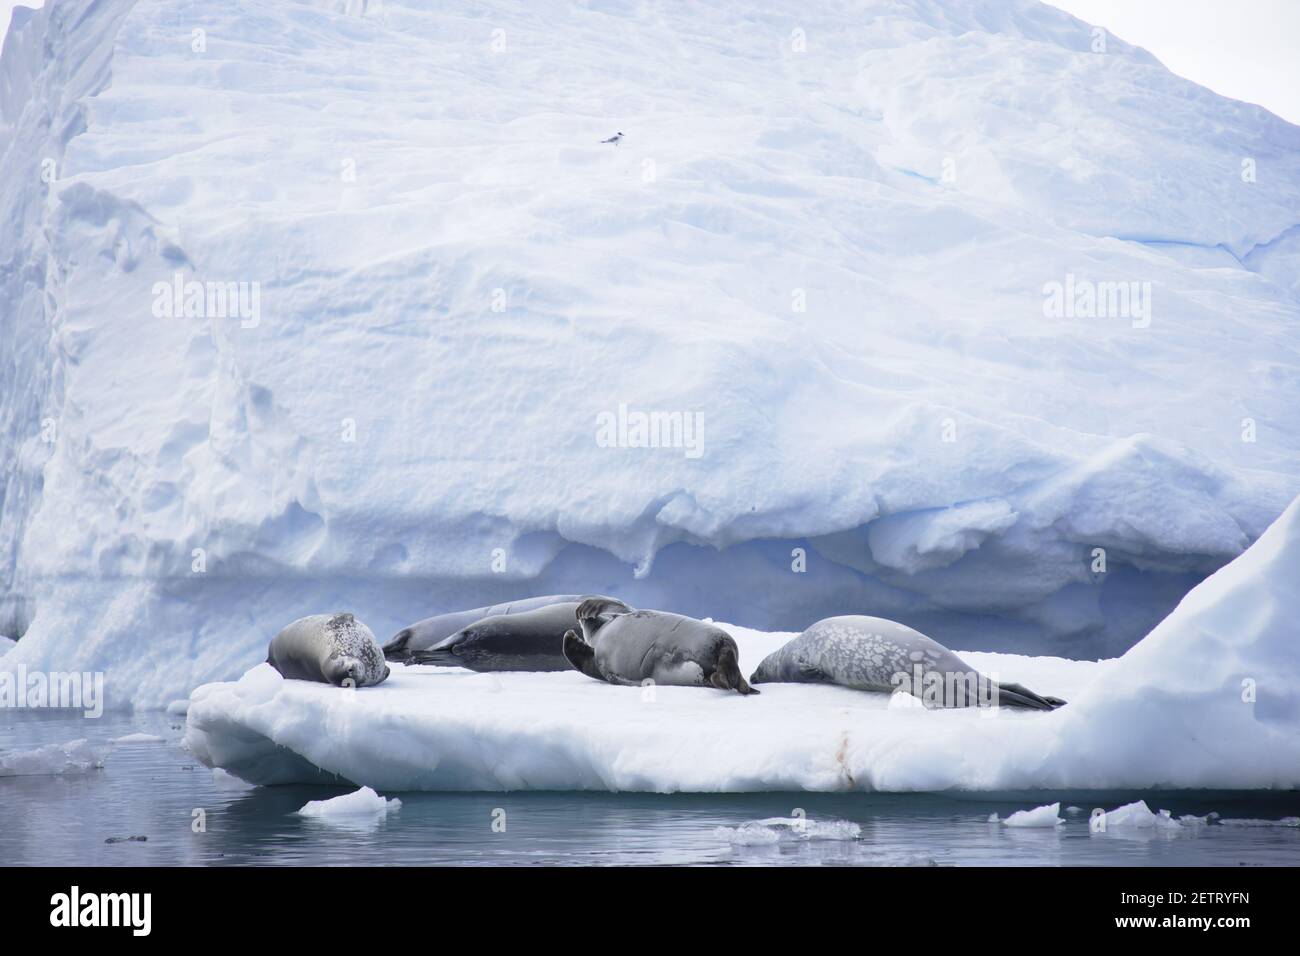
(1246, 49)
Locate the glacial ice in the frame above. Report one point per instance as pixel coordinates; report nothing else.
(834, 251)
(1210, 699)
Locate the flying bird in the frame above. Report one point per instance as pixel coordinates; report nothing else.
(613, 139)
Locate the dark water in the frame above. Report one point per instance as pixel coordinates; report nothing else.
(153, 789)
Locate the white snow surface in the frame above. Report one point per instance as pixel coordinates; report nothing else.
(1174, 712)
(828, 232)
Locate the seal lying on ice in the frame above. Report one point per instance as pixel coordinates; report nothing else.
(872, 653)
(331, 648)
(624, 646)
(528, 641)
(423, 635)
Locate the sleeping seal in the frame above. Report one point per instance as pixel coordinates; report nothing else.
(623, 646)
(422, 635)
(332, 648)
(872, 653)
(528, 641)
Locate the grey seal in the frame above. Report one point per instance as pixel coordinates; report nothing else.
(526, 641)
(625, 646)
(425, 634)
(872, 653)
(331, 648)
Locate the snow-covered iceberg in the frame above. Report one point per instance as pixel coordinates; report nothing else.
(832, 255)
(1210, 699)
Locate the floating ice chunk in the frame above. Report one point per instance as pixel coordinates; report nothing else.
(360, 803)
(748, 834)
(76, 756)
(833, 830)
(1246, 822)
(774, 829)
(178, 707)
(1047, 816)
(139, 738)
(1139, 816)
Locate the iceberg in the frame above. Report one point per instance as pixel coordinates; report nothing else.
(350, 337)
(1209, 699)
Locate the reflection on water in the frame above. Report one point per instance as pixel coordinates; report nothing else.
(156, 790)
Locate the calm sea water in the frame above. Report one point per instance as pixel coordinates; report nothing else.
(153, 789)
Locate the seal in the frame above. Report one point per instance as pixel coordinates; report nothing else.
(526, 641)
(872, 653)
(625, 646)
(422, 635)
(331, 648)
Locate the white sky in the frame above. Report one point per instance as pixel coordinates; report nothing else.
(1246, 49)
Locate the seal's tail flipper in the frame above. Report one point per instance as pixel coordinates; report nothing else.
(727, 676)
(580, 654)
(437, 656)
(1016, 695)
(601, 609)
(595, 612)
(395, 650)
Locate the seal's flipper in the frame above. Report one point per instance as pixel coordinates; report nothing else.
(341, 671)
(1013, 695)
(395, 650)
(437, 656)
(727, 676)
(594, 612)
(1035, 701)
(601, 607)
(581, 655)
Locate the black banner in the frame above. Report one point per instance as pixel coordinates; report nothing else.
(342, 904)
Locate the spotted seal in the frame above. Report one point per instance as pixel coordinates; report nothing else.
(872, 653)
(331, 648)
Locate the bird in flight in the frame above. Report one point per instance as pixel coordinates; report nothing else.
(613, 139)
